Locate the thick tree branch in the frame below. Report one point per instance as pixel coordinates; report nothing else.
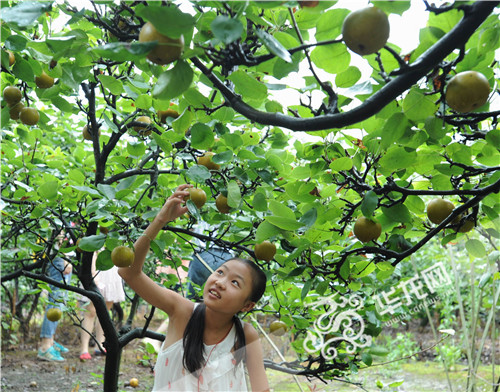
(456, 38)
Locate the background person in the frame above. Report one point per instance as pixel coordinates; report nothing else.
(50, 350)
(110, 285)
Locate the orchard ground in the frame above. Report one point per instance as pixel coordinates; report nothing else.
(22, 371)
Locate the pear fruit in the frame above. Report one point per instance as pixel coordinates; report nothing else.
(366, 230)
(439, 209)
(44, 81)
(467, 91)
(122, 256)
(168, 49)
(206, 160)
(12, 95)
(198, 196)
(366, 31)
(54, 314)
(265, 251)
(29, 116)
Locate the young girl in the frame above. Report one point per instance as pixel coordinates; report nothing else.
(206, 345)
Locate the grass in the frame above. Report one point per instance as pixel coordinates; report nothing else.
(415, 377)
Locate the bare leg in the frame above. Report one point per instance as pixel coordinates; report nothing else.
(46, 343)
(87, 328)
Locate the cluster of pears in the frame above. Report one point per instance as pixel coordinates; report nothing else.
(366, 31)
(439, 209)
(162, 117)
(12, 95)
(199, 198)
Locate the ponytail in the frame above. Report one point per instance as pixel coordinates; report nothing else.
(192, 341)
(240, 341)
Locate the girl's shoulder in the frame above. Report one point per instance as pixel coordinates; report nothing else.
(251, 333)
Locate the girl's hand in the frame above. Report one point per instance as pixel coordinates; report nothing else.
(173, 207)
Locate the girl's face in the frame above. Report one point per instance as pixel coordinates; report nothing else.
(229, 287)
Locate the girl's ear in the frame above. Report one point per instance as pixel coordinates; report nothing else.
(249, 306)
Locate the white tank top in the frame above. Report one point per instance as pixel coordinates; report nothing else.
(220, 374)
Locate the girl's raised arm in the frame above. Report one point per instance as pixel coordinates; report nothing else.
(164, 299)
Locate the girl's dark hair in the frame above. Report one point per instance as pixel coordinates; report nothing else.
(193, 359)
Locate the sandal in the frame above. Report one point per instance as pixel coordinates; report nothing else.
(85, 356)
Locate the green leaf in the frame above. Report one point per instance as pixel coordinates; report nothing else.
(348, 78)
(22, 69)
(169, 21)
(279, 209)
(339, 164)
(397, 158)
(136, 149)
(92, 243)
(233, 194)
(274, 46)
(182, 123)
(88, 190)
(25, 13)
(63, 104)
(124, 51)
(107, 190)
(397, 213)
(392, 7)
(418, 106)
(329, 25)
(363, 268)
(202, 136)
(113, 85)
(259, 202)
(367, 358)
(369, 204)
(248, 87)
(393, 129)
(345, 270)
(284, 223)
(333, 58)
(265, 231)
(198, 173)
(475, 248)
(309, 218)
(103, 262)
(60, 44)
(379, 351)
(173, 82)
(193, 210)
(144, 101)
(227, 29)
(305, 289)
(16, 43)
(48, 190)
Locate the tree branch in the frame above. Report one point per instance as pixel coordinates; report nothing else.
(455, 38)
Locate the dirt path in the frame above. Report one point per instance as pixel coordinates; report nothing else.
(22, 371)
